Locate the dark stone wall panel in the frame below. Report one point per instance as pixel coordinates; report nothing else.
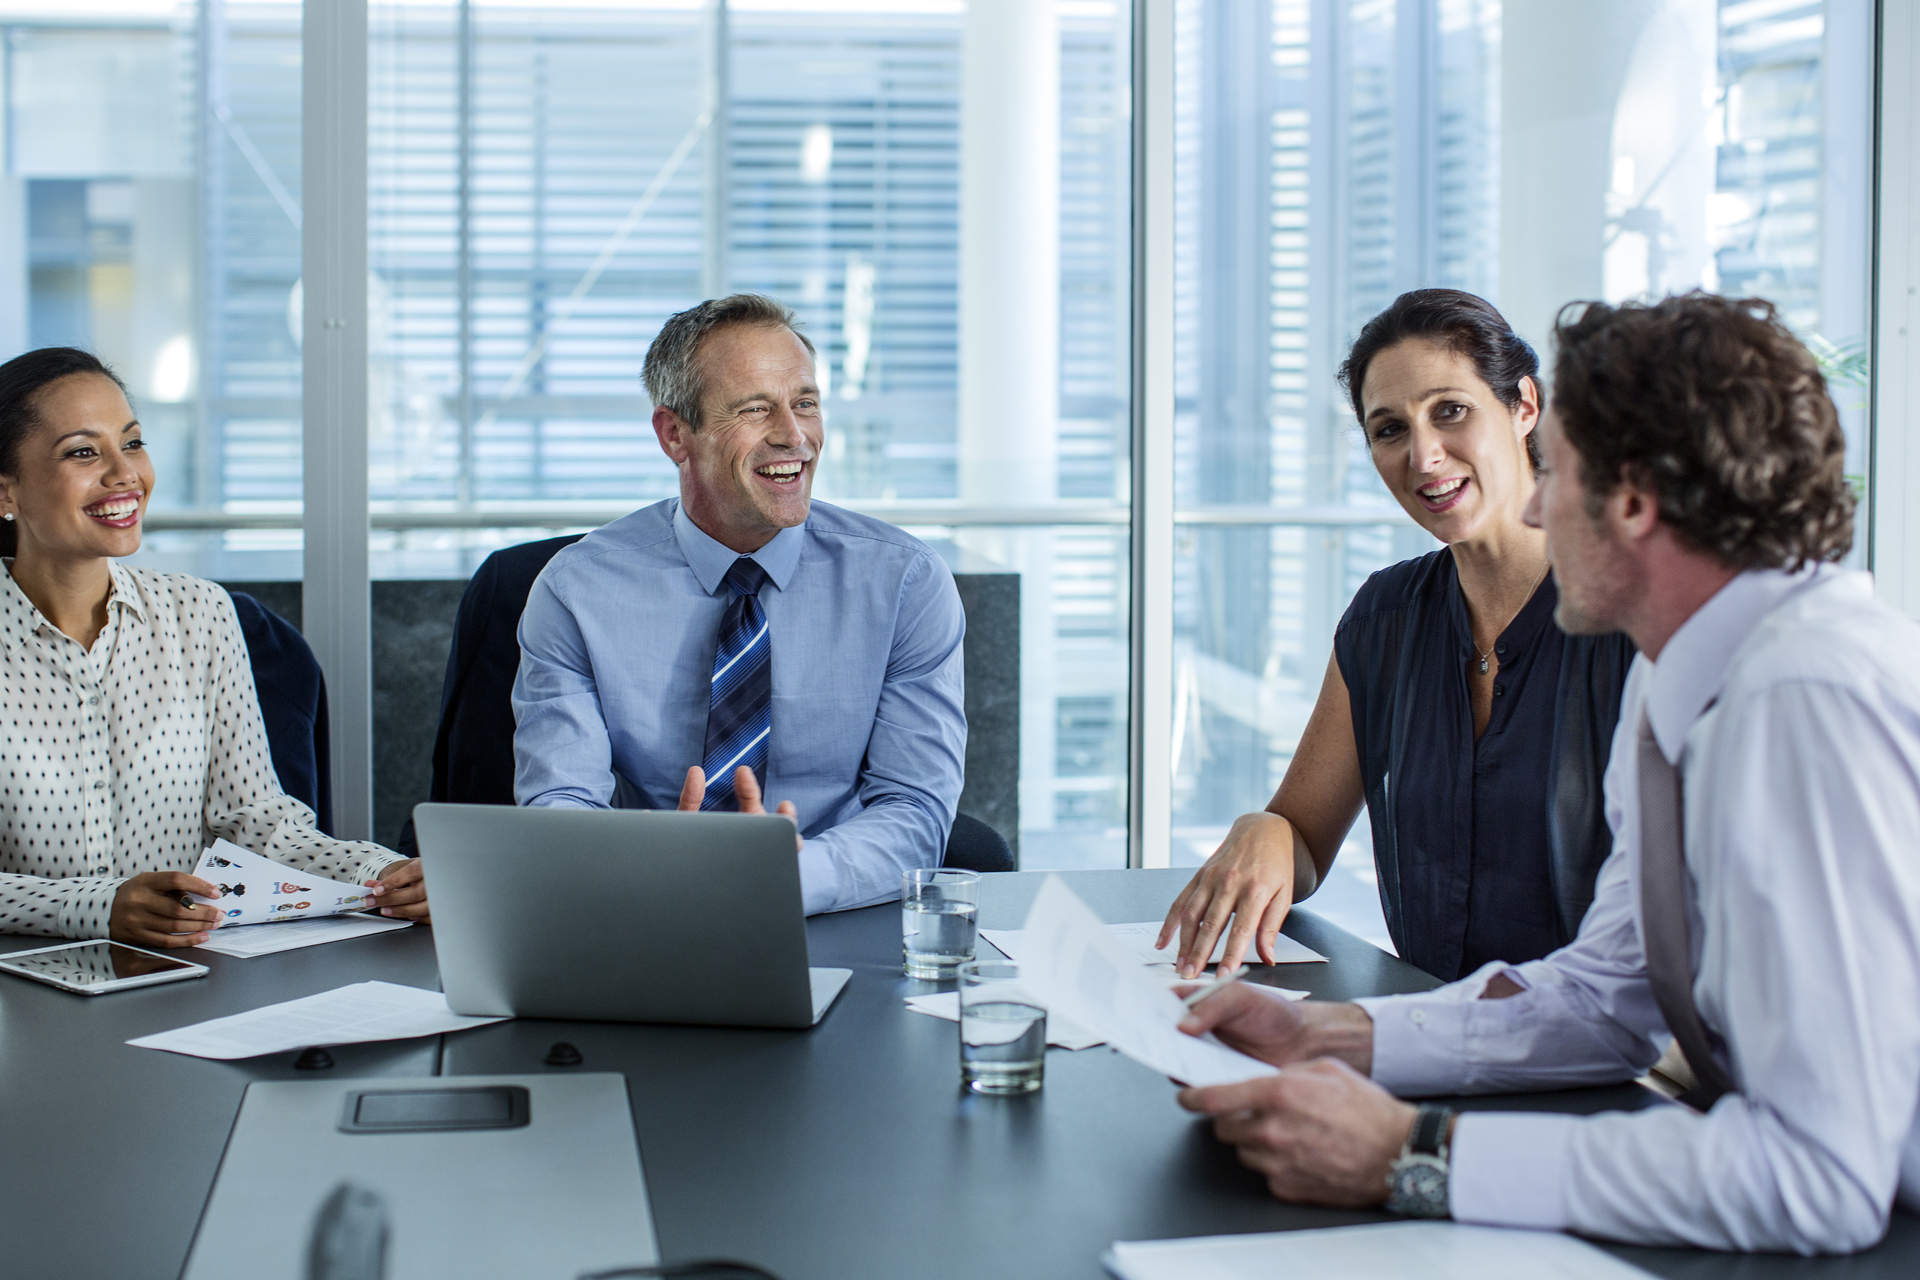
(413, 630)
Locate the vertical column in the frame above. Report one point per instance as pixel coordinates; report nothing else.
(1009, 253)
(1893, 552)
(713, 264)
(1009, 305)
(212, 155)
(463, 216)
(1415, 106)
(333, 244)
(1150, 818)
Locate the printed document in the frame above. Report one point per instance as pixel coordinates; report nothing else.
(257, 890)
(1385, 1251)
(346, 1015)
(1082, 972)
(1139, 938)
(297, 933)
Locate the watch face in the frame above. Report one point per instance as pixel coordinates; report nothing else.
(1419, 1187)
(1426, 1182)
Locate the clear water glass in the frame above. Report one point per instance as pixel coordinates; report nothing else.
(1003, 1032)
(939, 910)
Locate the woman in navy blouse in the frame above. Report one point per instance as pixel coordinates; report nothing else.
(1471, 727)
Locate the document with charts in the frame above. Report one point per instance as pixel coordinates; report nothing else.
(257, 890)
(1083, 973)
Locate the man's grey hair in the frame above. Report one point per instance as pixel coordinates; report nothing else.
(672, 372)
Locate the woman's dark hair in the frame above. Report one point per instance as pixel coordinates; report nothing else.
(1464, 324)
(21, 381)
(1717, 408)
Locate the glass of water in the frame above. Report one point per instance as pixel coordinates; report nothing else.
(938, 910)
(1003, 1033)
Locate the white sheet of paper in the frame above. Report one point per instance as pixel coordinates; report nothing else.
(346, 1015)
(247, 943)
(1139, 939)
(1383, 1251)
(257, 890)
(1062, 1033)
(1081, 971)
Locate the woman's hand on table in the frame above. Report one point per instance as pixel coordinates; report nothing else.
(148, 911)
(401, 892)
(1248, 880)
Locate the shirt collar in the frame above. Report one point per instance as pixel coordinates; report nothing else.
(1693, 665)
(126, 592)
(710, 559)
(20, 620)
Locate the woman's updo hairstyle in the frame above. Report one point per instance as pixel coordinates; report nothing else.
(21, 381)
(1465, 325)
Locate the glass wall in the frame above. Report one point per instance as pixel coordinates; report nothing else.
(1334, 153)
(150, 212)
(550, 181)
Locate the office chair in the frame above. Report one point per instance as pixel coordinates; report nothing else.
(293, 704)
(473, 751)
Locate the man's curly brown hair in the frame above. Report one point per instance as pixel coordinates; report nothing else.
(1713, 405)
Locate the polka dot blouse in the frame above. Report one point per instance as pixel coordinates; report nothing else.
(135, 755)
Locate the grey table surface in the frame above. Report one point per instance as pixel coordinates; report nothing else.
(846, 1152)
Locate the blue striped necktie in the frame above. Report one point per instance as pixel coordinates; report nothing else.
(740, 708)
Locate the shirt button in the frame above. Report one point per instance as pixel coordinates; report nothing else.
(94, 701)
(1499, 648)
(99, 786)
(1498, 690)
(1419, 1017)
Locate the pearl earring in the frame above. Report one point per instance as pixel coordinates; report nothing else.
(9, 515)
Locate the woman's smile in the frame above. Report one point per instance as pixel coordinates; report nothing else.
(122, 511)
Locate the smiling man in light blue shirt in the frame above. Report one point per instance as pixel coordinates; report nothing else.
(825, 670)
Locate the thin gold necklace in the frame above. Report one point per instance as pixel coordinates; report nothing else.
(1509, 622)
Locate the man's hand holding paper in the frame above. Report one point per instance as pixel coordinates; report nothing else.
(1085, 974)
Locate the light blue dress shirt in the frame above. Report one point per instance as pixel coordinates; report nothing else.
(869, 728)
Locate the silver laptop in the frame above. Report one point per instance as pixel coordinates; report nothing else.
(620, 915)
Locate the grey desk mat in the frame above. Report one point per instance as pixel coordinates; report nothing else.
(560, 1195)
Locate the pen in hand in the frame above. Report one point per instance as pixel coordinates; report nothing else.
(1223, 978)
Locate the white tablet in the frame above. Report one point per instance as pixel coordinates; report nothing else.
(95, 968)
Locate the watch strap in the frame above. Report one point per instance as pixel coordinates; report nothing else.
(1429, 1135)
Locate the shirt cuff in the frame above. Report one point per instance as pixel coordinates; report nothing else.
(1509, 1169)
(87, 911)
(377, 862)
(1418, 1045)
(1420, 1041)
(819, 878)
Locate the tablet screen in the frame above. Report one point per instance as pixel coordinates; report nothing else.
(93, 963)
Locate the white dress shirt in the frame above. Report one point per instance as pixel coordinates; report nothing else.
(1790, 706)
(134, 755)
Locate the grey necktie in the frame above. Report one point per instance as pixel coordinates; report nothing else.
(1663, 918)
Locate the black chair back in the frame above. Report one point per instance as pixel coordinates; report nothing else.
(293, 704)
(473, 752)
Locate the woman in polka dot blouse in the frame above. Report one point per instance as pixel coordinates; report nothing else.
(130, 735)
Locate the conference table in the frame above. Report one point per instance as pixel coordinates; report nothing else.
(847, 1152)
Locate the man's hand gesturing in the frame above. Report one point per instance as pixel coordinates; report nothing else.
(746, 788)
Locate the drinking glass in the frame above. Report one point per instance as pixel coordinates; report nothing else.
(938, 909)
(1003, 1032)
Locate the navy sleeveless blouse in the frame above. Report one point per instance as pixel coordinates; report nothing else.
(1488, 849)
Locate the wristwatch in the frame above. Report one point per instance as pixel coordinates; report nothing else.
(1417, 1182)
